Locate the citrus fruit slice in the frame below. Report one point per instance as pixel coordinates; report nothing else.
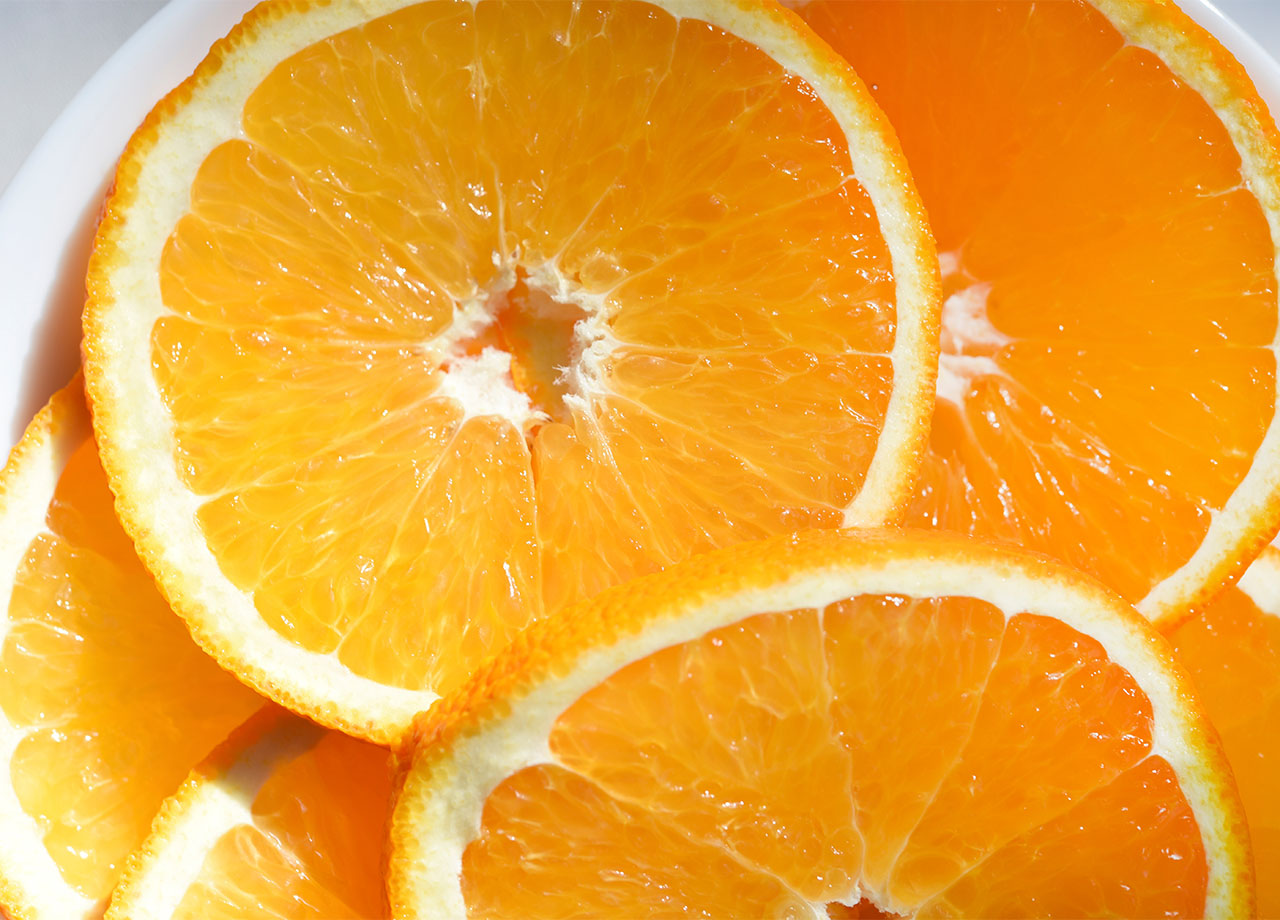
(1232, 651)
(105, 702)
(1102, 178)
(408, 323)
(285, 820)
(902, 722)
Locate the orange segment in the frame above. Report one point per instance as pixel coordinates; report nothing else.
(466, 312)
(90, 655)
(1232, 650)
(1054, 708)
(873, 646)
(636, 863)
(835, 402)
(770, 782)
(774, 730)
(383, 122)
(584, 505)
(1102, 180)
(397, 557)
(1039, 874)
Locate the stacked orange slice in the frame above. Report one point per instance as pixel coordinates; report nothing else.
(420, 329)
(284, 820)
(895, 722)
(105, 702)
(1104, 183)
(410, 323)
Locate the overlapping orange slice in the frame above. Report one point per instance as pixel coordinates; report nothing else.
(105, 702)
(1104, 183)
(284, 820)
(411, 322)
(892, 722)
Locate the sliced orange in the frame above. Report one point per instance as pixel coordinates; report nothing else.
(1104, 183)
(105, 702)
(1232, 651)
(409, 323)
(285, 820)
(895, 721)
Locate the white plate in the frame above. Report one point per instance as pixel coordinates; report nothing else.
(48, 213)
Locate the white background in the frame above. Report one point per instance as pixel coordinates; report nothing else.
(49, 48)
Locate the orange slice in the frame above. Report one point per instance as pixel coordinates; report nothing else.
(1232, 650)
(1104, 183)
(409, 323)
(902, 722)
(285, 820)
(105, 702)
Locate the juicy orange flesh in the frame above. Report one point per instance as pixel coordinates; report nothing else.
(314, 849)
(91, 655)
(389, 175)
(1232, 650)
(1106, 261)
(883, 748)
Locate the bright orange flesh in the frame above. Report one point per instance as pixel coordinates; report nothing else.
(1107, 344)
(116, 701)
(314, 849)
(385, 173)
(1232, 650)
(928, 756)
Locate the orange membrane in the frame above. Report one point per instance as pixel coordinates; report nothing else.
(314, 849)
(1107, 369)
(497, 305)
(928, 757)
(92, 654)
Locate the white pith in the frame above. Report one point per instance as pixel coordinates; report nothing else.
(27, 486)
(968, 338)
(141, 438)
(482, 385)
(584, 375)
(170, 861)
(437, 816)
(1261, 582)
